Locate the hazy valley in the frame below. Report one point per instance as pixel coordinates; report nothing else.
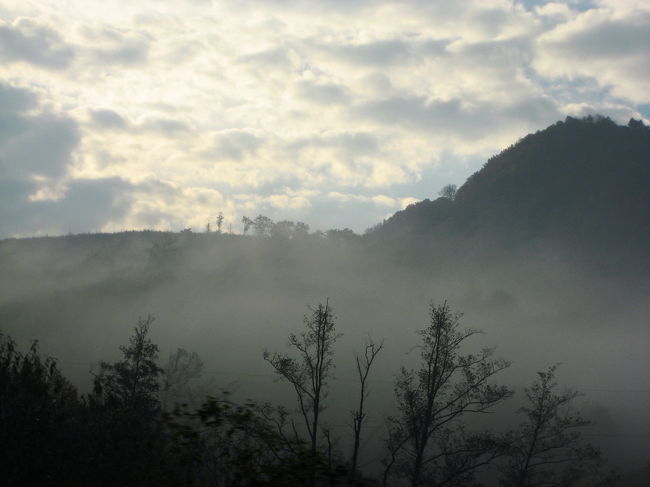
(545, 250)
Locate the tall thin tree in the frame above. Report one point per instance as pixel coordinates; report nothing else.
(364, 363)
(310, 372)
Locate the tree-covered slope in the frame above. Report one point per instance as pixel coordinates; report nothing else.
(581, 184)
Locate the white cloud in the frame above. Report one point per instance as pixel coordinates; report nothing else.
(604, 45)
(275, 105)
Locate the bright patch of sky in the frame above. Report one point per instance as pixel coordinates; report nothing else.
(128, 115)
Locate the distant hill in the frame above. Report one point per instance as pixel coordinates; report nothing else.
(582, 185)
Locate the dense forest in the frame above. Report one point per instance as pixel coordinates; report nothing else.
(545, 250)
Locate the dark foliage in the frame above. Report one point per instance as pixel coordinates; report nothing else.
(428, 443)
(548, 448)
(120, 435)
(41, 434)
(579, 185)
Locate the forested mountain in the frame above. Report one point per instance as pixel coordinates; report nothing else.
(582, 186)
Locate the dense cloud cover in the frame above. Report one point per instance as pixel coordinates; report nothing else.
(129, 115)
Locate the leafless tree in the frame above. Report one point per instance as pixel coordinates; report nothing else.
(448, 191)
(310, 371)
(364, 363)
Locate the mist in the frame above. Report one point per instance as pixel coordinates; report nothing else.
(544, 251)
(230, 297)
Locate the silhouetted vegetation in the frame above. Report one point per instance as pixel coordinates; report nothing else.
(548, 448)
(309, 374)
(119, 434)
(429, 444)
(579, 186)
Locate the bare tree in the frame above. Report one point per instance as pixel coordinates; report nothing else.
(448, 191)
(547, 449)
(433, 398)
(310, 371)
(364, 364)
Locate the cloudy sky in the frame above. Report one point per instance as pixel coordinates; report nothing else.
(130, 114)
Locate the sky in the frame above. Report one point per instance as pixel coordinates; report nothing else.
(121, 115)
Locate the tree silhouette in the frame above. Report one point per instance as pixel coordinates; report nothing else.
(40, 430)
(547, 449)
(132, 382)
(130, 439)
(219, 222)
(448, 191)
(364, 364)
(247, 222)
(426, 435)
(263, 226)
(310, 372)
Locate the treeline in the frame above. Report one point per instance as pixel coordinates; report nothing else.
(143, 425)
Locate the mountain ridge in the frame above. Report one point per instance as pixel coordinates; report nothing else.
(580, 183)
(580, 187)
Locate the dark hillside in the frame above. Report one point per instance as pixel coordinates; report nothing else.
(581, 185)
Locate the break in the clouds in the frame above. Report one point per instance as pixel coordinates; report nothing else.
(123, 114)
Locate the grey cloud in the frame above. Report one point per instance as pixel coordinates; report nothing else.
(35, 44)
(277, 57)
(153, 218)
(15, 99)
(42, 145)
(165, 126)
(386, 52)
(89, 203)
(535, 111)
(382, 52)
(377, 82)
(33, 144)
(491, 20)
(86, 206)
(413, 111)
(111, 120)
(44, 148)
(357, 143)
(501, 53)
(128, 52)
(354, 143)
(610, 39)
(453, 118)
(108, 119)
(433, 47)
(323, 94)
(234, 145)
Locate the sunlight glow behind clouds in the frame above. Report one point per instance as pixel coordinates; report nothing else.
(280, 107)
